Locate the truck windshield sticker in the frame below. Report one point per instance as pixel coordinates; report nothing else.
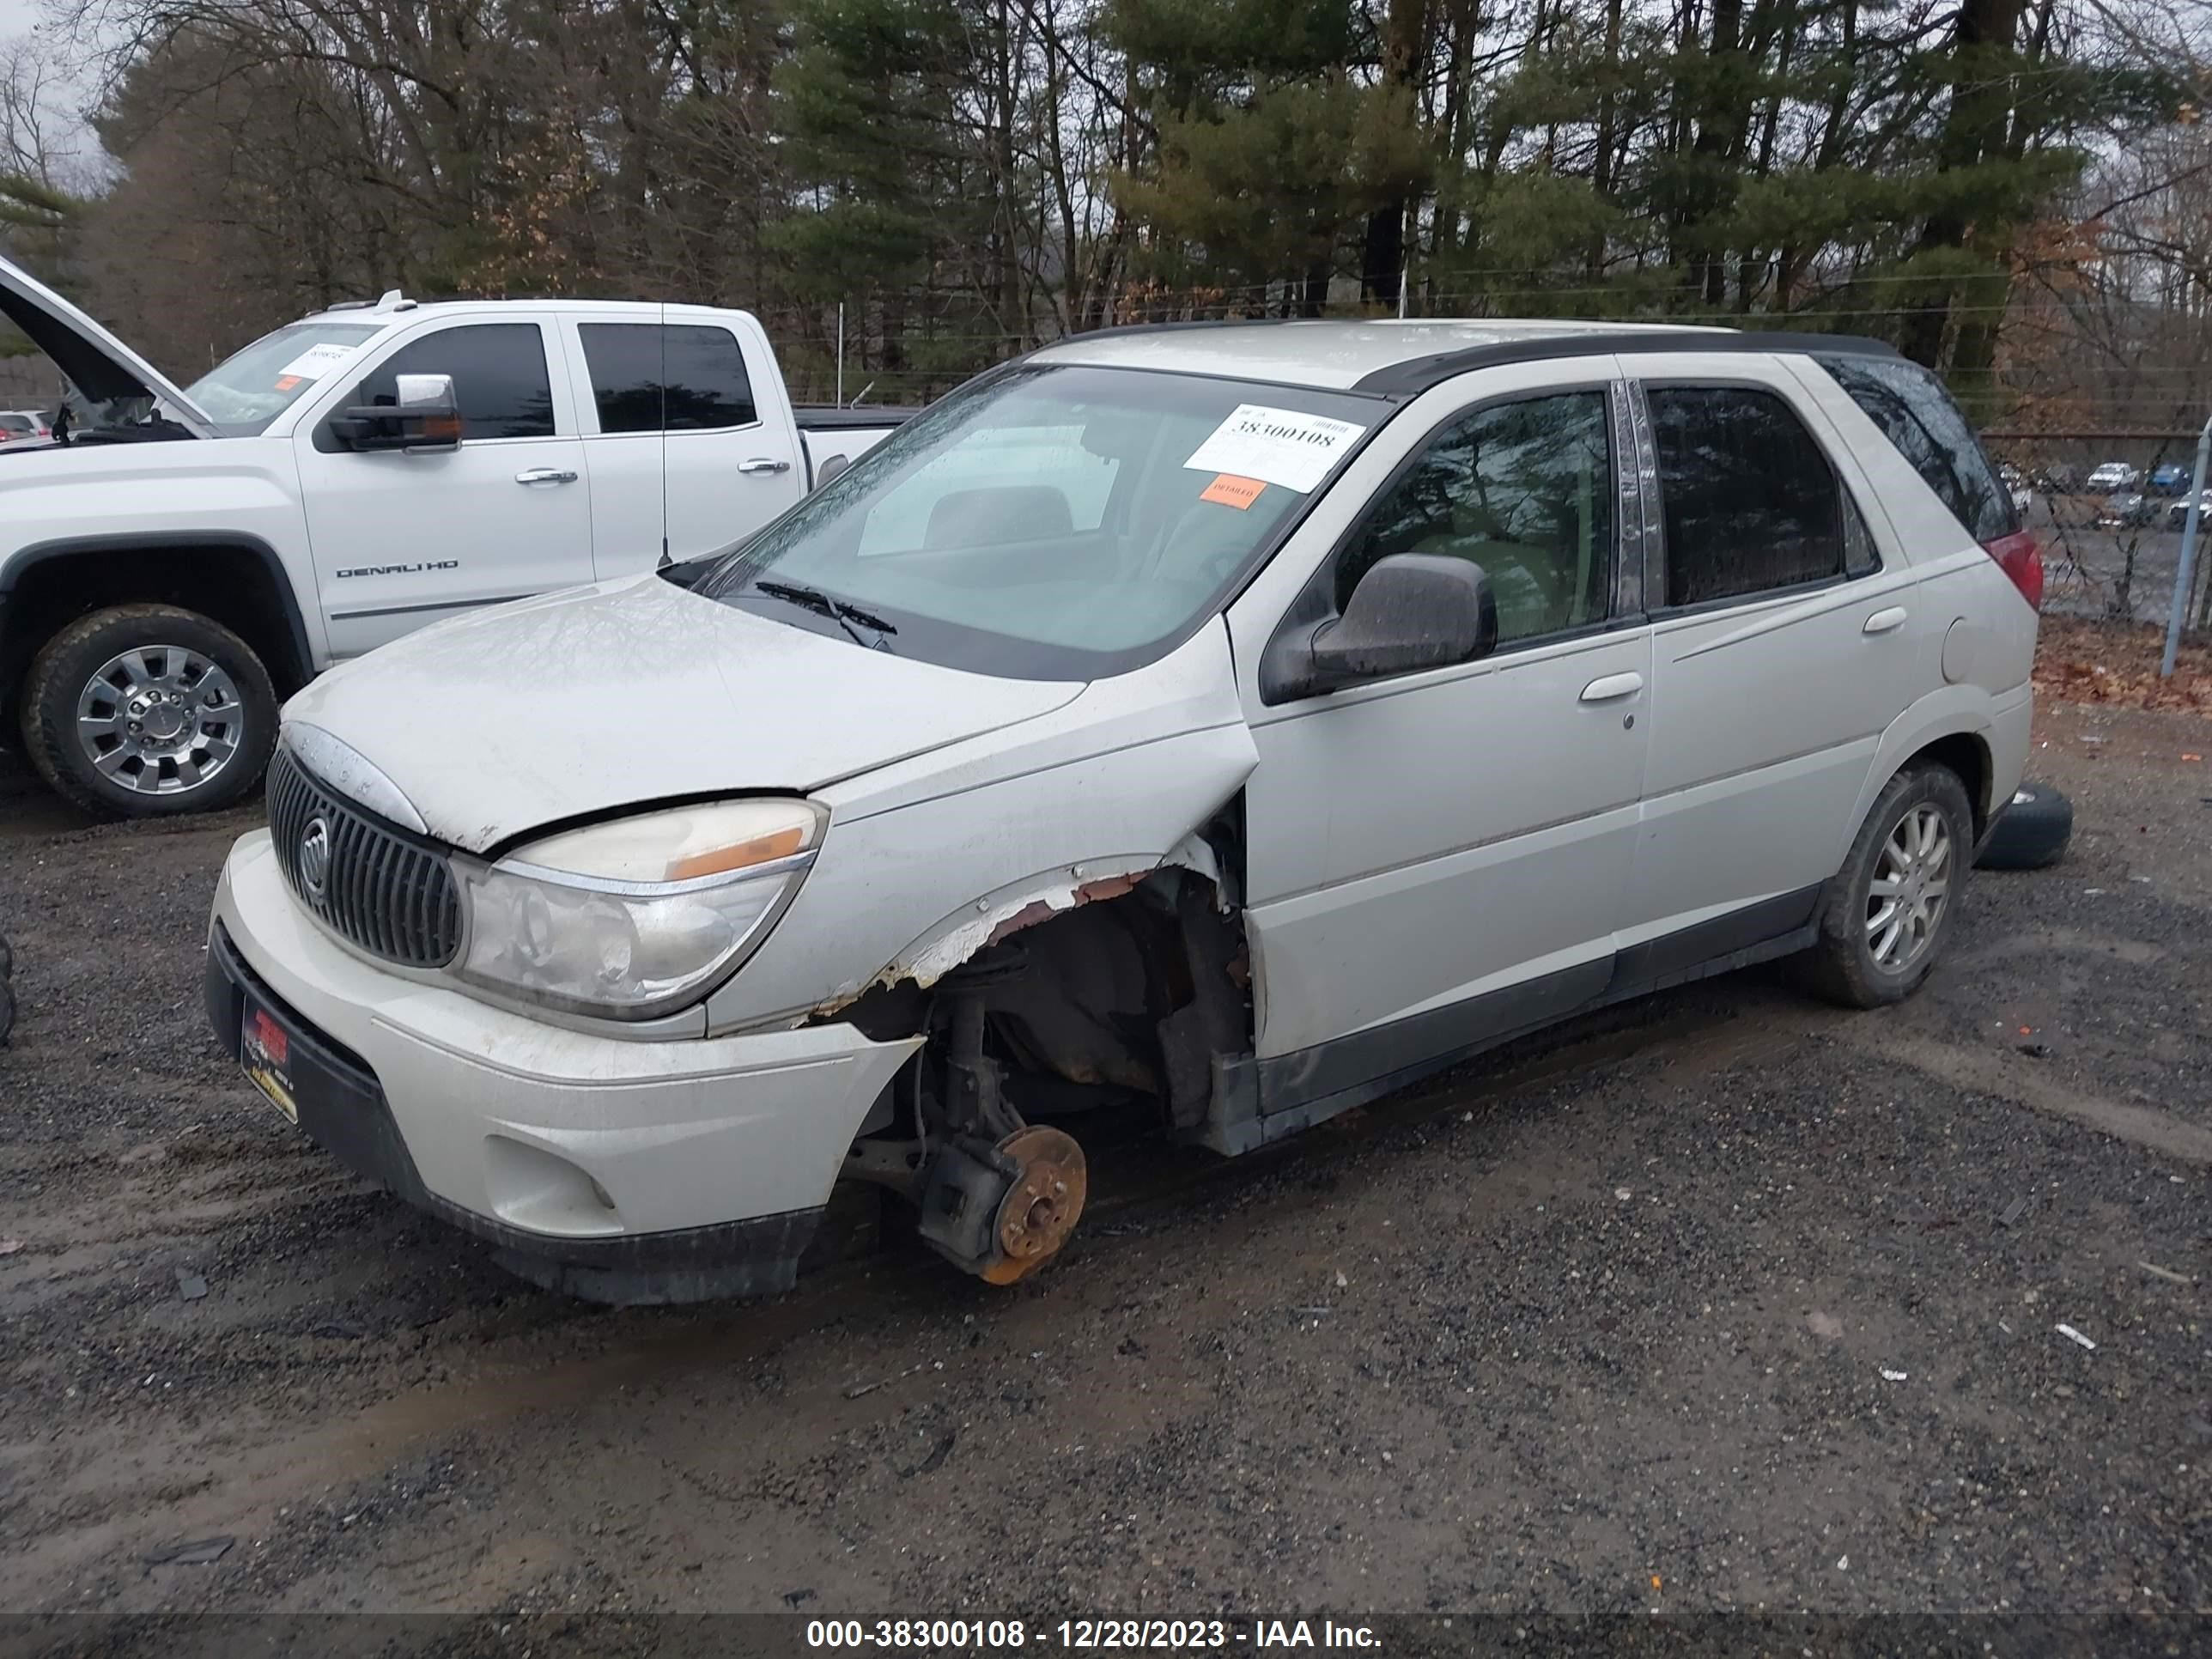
(313, 363)
(1274, 446)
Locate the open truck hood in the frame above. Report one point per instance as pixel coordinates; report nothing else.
(98, 364)
(595, 700)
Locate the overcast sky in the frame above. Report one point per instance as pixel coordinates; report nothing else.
(17, 19)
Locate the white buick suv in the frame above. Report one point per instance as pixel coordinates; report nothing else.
(1225, 725)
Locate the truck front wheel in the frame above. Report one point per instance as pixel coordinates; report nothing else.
(146, 710)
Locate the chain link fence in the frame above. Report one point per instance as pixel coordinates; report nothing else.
(2110, 506)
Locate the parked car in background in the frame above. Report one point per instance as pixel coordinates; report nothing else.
(2124, 511)
(372, 468)
(21, 426)
(2177, 513)
(2059, 477)
(2111, 476)
(1163, 768)
(2016, 486)
(2169, 478)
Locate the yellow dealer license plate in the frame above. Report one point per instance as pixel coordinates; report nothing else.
(265, 1052)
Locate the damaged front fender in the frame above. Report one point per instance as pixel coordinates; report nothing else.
(923, 863)
(1012, 908)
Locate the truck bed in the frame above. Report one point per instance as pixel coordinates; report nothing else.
(821, 417)
(833, 438)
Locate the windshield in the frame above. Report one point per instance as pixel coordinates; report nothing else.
(253, 386)
(1050, 522)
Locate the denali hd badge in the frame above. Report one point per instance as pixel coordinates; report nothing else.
(397, 570)
(314, 857)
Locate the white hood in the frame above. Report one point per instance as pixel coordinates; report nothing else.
(621, 694)
(100, 366)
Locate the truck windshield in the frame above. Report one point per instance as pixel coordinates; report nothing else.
(1050, 522)
(255, 385)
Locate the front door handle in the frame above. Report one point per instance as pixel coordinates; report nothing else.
(1612, 687)
(1885, 621)
(538, 475)
(763, 464)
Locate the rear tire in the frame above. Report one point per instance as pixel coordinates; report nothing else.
(1888, 910)
(148, 711)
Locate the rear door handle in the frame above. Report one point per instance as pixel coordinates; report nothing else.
(1612, 687)
(763, 464)
(1885, 621)
(538, 475)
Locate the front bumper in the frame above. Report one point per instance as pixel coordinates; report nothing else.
(617, 1168)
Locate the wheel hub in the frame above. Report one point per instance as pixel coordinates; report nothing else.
(163, 722)
(1041, 1207)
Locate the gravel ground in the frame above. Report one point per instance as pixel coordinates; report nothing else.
(1729, 1301)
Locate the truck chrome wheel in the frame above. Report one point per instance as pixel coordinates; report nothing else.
(1910, 888)
(160, 720)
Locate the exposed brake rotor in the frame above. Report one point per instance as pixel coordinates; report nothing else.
(1040, 1210)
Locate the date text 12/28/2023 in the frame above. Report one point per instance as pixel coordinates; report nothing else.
(1084, 1635)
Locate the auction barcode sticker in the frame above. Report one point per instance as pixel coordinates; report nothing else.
(316, 362)
(1284, 447)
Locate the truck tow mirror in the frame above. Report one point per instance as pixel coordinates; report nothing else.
(424, 416)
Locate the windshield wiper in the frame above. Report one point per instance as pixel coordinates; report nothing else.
(844, 614)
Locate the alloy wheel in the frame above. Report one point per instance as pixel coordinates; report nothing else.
(160, 720)
(1910, 890)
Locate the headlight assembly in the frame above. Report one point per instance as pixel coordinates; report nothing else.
(639, 917)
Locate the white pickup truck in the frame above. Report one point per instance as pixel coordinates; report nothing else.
(179, 560)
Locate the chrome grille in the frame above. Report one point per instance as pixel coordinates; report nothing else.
(390, 892)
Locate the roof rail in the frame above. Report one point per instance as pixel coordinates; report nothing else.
(1417, 374)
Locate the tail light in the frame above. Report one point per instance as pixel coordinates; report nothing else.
(2020, 557)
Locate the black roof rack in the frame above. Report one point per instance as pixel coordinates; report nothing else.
(1418, 375)
(1415, 375)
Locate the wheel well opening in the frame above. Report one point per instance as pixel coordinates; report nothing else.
(1968, 756)
(1120, 1000)
(226, 582)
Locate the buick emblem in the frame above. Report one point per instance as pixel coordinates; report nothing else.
(314, 857)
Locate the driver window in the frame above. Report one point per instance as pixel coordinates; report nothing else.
(500, 378)
(1525, 491)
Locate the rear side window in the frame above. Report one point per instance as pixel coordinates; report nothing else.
(684, 378)
(1918, 415)
(1751, 502)
(498, 375)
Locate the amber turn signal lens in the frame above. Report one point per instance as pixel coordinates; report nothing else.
(740, 855)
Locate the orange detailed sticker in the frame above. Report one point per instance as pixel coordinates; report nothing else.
(1232, 491)
(287, 382)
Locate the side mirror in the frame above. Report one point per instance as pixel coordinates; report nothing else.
(1410, 611)
(425, 416)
